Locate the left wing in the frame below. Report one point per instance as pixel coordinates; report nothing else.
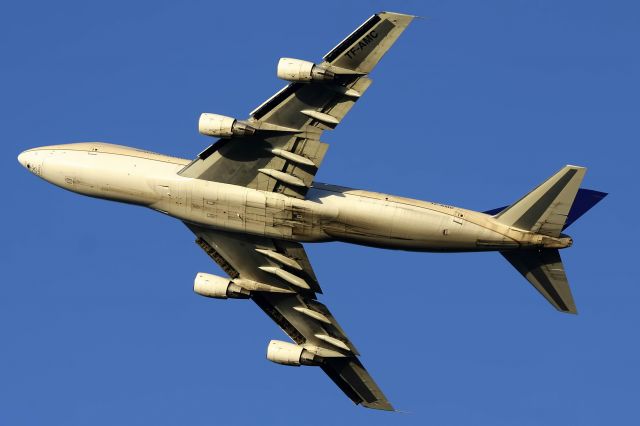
(284, 151)
(276, 273)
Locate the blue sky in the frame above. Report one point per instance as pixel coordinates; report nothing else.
(474, 106)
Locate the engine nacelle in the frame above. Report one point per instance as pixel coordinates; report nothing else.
(303, 71)
(222, 126)
(218, 287)
(286, 353)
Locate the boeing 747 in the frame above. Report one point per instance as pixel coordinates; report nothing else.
(251, 201)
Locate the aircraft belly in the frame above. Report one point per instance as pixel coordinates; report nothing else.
(239, 209)
(381, 221)
(378, 220)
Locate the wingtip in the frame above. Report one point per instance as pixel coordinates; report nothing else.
(398, 14)
(379, 405)
(573, 166)
(569, 308)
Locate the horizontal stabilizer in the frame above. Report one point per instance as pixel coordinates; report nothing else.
(545, 209)
(545, 271)
(585, 200)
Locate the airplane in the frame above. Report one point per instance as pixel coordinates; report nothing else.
(251, 201)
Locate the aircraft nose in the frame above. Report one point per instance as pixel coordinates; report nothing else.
(32, 160)
(23, 158)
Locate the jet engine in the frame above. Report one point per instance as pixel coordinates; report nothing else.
(303, 71)
(218, 287)
(222, 126)
(286, 353)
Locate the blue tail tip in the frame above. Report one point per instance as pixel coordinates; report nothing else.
(585, 200)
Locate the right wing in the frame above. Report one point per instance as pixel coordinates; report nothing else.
(285, 152)
(308, 322)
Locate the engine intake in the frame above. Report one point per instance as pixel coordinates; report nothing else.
(286, 353)
(208, 285)
(303, 71)
(222, 126)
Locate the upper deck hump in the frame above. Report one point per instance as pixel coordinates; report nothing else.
(108, 148)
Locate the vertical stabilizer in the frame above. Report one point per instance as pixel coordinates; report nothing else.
(545, 209)
(545, 271)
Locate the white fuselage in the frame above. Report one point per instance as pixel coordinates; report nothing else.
(329, 213)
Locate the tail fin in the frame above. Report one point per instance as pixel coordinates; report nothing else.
(544, 269)
(545, 209)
